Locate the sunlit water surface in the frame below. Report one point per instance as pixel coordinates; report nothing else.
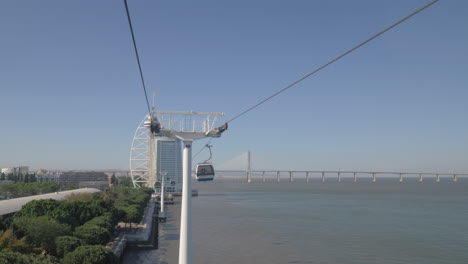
(383, 222)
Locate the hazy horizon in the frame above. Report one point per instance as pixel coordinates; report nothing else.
(72, 97)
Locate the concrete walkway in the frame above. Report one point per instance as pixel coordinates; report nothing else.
(143, 229)
(169, 234)
(168, 242)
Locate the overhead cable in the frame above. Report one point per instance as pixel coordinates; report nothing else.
(137, 57)
(204, 146)
(334, 60)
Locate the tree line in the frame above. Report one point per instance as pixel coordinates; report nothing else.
(75, 230)
(18, 177)
(21, 189)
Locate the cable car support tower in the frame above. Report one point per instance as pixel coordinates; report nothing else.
(185, 126)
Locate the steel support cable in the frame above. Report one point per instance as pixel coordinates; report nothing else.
(209, 141)
(334, 60)
(325, 65)
(137, 57)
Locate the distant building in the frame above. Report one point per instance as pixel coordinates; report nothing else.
(7, 171)
(22, 170)
(15, 170)
(74, 177)
(118, 173)
(90, 179)
(169, 162)
(48, 176)
(101, 185)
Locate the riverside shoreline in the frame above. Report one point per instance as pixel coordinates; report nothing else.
(168, 241)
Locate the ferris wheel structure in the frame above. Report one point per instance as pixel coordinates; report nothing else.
(142, 156)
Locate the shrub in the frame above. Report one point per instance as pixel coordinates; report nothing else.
(104, 221)
(41, 231)
(67, 244)
(18, 258)
(90, 255)
(9, 242)
(38, 208)
(92, 234)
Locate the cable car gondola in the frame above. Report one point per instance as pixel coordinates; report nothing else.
(205, 171)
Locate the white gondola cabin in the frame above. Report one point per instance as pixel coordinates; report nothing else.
(204, 172)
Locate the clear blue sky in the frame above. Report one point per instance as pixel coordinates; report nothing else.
(71, 98)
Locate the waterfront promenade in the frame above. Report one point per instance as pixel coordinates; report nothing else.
(168, 249)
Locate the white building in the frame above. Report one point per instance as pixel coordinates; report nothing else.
(169, 163)
(22, 170)
(16, 170)
(48, 176)
(7, 171)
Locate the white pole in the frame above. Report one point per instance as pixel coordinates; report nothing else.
(249, 171)
(152, 177)
(162, 195)
(185, 245)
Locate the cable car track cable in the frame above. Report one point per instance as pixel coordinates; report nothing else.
(137, 57)
(333, 60)
(325, 65)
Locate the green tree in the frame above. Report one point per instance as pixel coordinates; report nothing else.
(5, 221)
(108, 195)
(132, 214)
(79, 197)
(11, 177)
(9, 242)
(72, 186)
(90, 255)
(38, 208)
(93, 234)
(18, 258)
(67, 244)
(26, 178)
(41, 231)
(3, 177)
(104, 221)
(114, 180)
(20, 189)
(125, 181)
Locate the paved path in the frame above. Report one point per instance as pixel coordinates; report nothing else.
(168, 242)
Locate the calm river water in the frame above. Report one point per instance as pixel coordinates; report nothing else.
(383, 222)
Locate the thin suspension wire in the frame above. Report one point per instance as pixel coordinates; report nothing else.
(334, 60)
(209, 141)
(211, 153)
(324, 66)
(137, 57)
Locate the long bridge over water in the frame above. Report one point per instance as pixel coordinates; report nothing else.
(323, 174)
